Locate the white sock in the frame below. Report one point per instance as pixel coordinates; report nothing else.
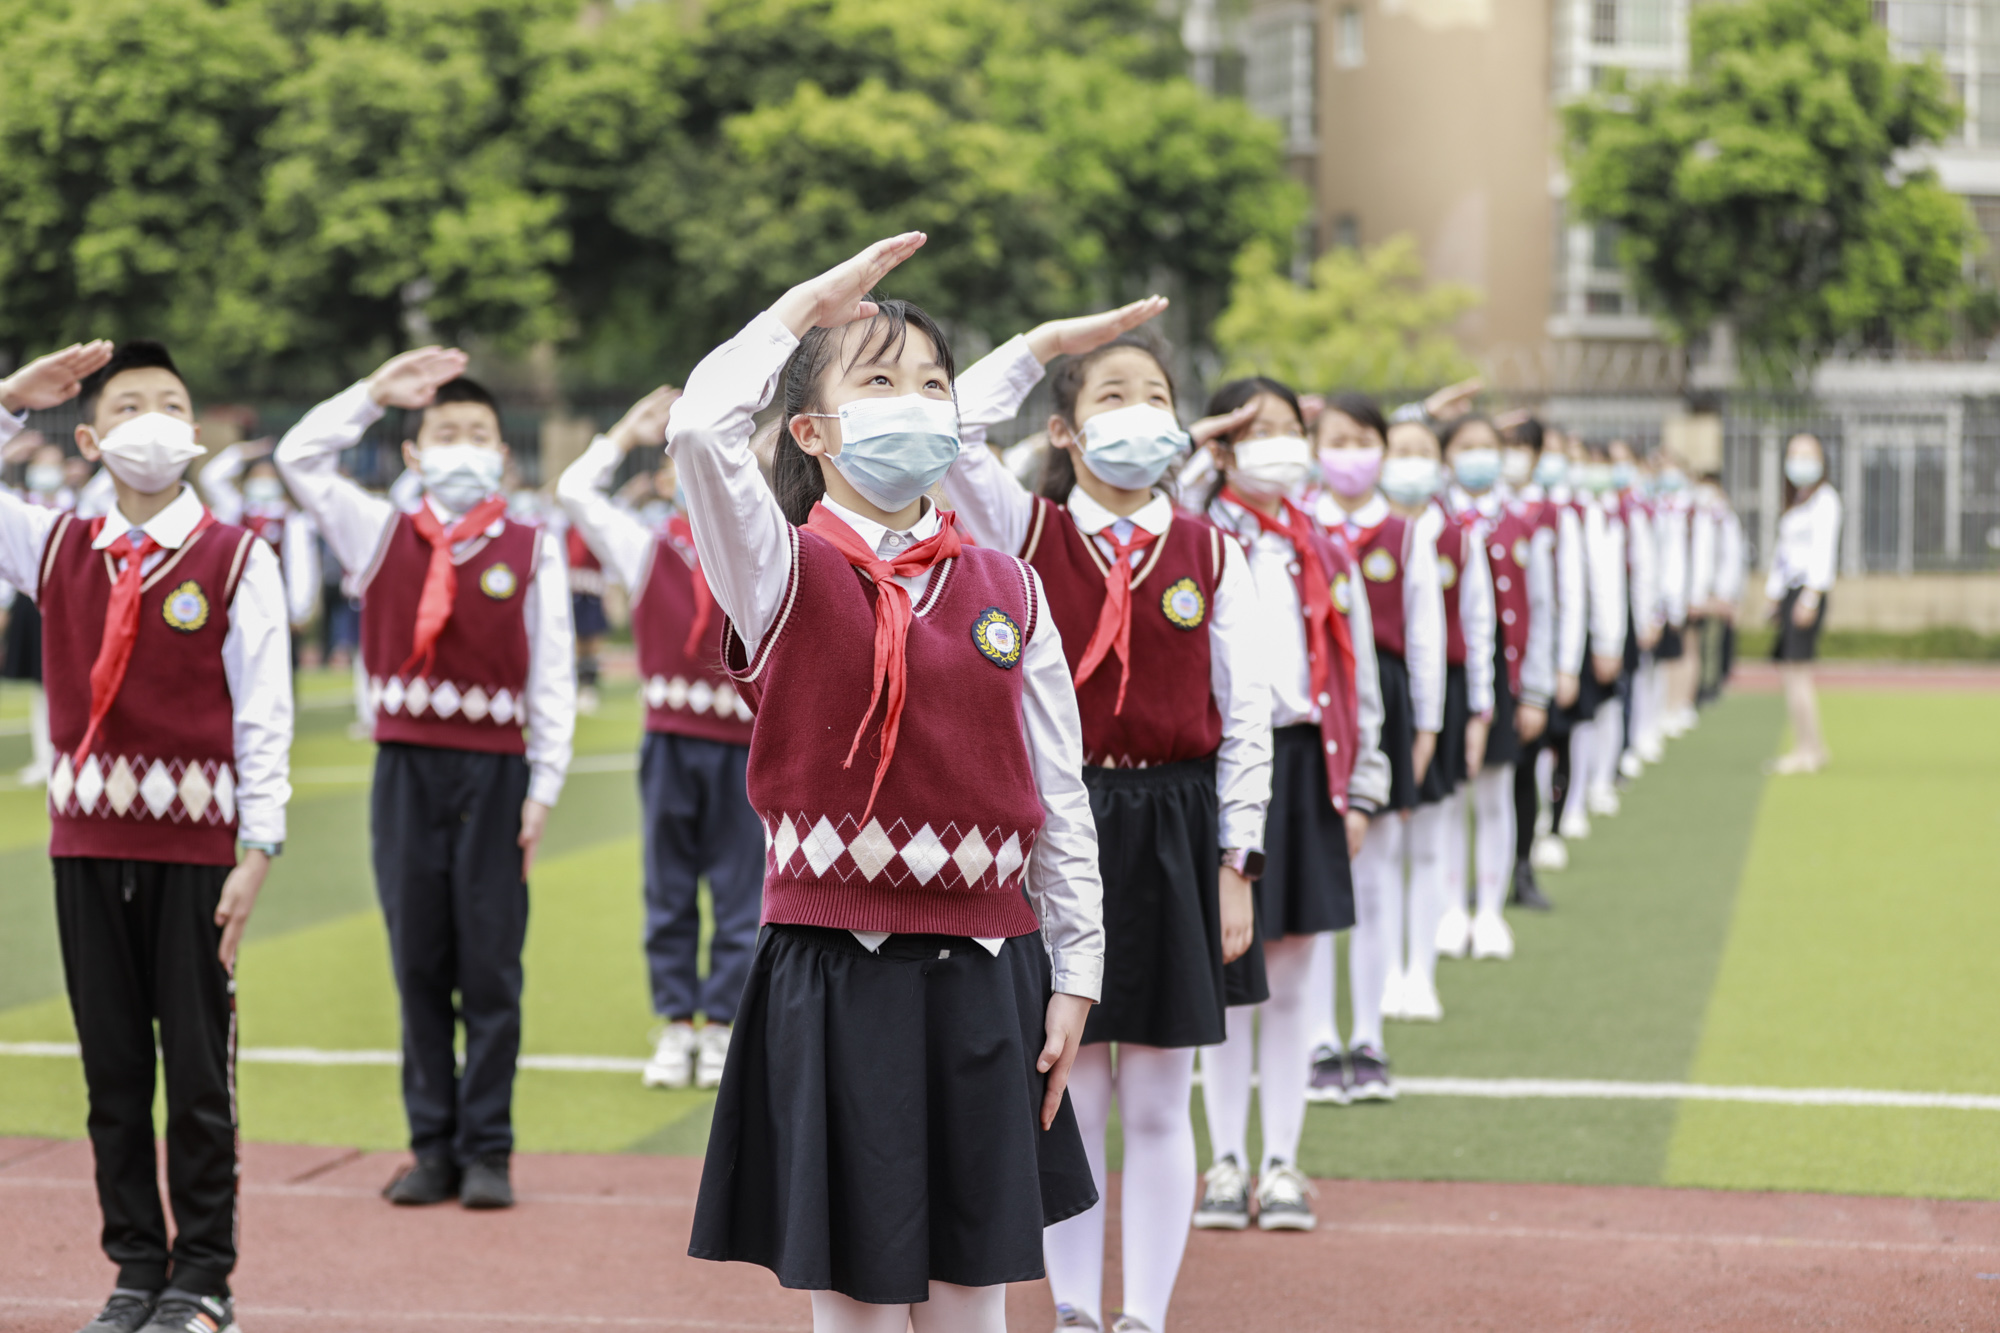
(1378, 922)
(1545, 774)
(1455, 857)
(1154, 1088)
(1493, 809)
(1322, 1027)
(1225, 1082)
(835, 1313)
(43, 748)
(1580, 755)
(956, 1309)
(1284, 1055)
(1427, 834)
(1610, 744)
(1073, 1249)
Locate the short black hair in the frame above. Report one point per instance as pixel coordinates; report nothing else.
(462, 390)
(137, 354)
(1363, 410)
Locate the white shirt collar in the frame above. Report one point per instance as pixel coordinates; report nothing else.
(447, 518)
(1156, 516)
(171, 527)
(877, 535)
(1372, 511)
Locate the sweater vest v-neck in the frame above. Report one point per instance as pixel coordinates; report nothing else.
(473, 697)
(159, 783)
(1507, 554)
(1383, 551)
(946, 847)
(1170, 713)
(685, 695)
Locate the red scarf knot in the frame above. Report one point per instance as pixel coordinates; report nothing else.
(441, 577)
(1315, 587)
(1114, 618)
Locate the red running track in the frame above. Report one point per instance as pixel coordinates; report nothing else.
(597, 1243)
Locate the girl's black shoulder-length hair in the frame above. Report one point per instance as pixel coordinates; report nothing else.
(795, 474)
(1363, 410)
(1453, 428)
(1233, 395)
(1066, 386)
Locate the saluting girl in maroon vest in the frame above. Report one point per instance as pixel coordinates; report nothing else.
(891, 1128)
(1328, 776)
(1157, 613)
(697, 817)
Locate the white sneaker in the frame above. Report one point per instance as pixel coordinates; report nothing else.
(1392, 996)
(1225, 1197)
(1420, 1001)
(1675, 725)
(587, 700)
(1491, 936)
(1630, 765)
(1068, 1316)
(1545, 820)
(714, 1054)
(1575, 823)
(1549, 853)
(1283, 1202)
(1454, 932)
(1650, 749)
(672, 1065)
(1601, 800)
(34, 775)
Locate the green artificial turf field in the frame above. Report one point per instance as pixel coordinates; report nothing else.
(1806, 933)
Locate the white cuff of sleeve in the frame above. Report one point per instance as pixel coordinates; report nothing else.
(1078, 974)
(545, 784)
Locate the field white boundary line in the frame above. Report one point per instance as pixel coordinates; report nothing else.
(1500, 1089)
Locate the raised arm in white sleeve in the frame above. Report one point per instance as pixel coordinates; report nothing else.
(1572, 594)
(218, 484)
(257, 664)
(300, 562)
(1243, 696)
(1368, 785)
(1478, 620)
(614, 535)
(992, 504)
(551, 692)
(1423, 619)
(352, 521)
(24, 533)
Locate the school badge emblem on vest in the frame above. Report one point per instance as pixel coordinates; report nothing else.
(998, 637)
(1379, 566)
(498, 582)
(186, 608)
(1184, 605)
(1521, 552)
(1447, 572)
(1343, 600)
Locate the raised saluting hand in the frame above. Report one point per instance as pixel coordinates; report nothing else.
(411, 380)
(1085, 333)
(839, 295)
(55, 378)
(645, 422)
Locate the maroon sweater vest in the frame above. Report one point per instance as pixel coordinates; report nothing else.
(1451, 564)
(159, 783)
(1339, 717)
(271, 527)
(1507, 556)
(685, 696)
(1170, 713)
(472, 697)
(1382, 550)
(946, 848)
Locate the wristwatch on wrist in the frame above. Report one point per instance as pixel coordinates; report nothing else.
(1247, 863)
(270, 849)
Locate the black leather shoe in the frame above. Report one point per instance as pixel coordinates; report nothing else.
(486, 1184)
(1527, 893)
(430, 1179)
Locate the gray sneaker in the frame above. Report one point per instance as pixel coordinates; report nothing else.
(1068, 1316)
(1225, 1197)
(1282, 1202)
(126, 1312)
(1125, 1323)
(183, 1312)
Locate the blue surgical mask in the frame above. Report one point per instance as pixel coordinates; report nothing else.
(1621, 476)
(892, 450)
(1803, 471)
(1476, 469)
(1409, 480)
(1672, 480)
(1129, 447)
(1551, 470)
(1593, 478)
(45, 478)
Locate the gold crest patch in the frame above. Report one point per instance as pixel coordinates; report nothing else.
(186, 608)
(1521, 552)
(1379, 567)
(1343, 600)
(998, 638)
(1184, 605)
(1447, 572)
(498, 582)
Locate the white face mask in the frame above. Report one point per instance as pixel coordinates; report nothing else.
(1803, 470)
(892, 450)
(1410, 479)
(459, 476)
(1270, 468)
(149, 453)
(1552, 470)
(1129, 447)
(45, 478)
(1517, 467)
(263, 490)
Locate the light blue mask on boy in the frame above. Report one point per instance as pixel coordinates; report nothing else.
(892, 450)
(1476, 469)
(1551, 470)
(1130, 447)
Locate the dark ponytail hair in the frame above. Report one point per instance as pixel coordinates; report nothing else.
(1234, 395)
(1066, 386)
(795, 474)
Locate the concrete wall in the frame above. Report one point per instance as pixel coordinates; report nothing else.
(1921, 601)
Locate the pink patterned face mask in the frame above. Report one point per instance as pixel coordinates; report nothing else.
(1350, 471)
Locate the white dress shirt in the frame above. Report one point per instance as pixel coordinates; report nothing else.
(1477, 619)
(616, 536)
(1423, 597)
(256, 652)
(1671, 531)
(997, 509)
(1808, 545)
(1729, 557)
(1604, 545)
(357, 527)
(1567, 564)
(299, 557)
(1701, 554)
(745, 546)
(1642, 559)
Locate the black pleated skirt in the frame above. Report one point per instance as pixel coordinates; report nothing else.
(1791, 644)
(1447, 771)
(1399, 730)
(21, 650)
(1503, 738)
(1159, 848)
(878, 1127)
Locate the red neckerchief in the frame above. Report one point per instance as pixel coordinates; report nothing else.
(441, 577)
(1114, 618)
(704, 599)
(121, 619)
(892, 619)
(1315, 585)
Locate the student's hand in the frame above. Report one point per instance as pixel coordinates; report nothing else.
(52, 379)
(1530, 720)
(1648, 640)
(1064, 1029)
(239, 896)
(1357, 832)
(839, 295)
(1805, 609)
(1239, 916)
(645, 422)
(411, 380)
(534, 820)
(17, 449)
(1073, 337)
(1606, 666)
(1310, 406)
(1453, 400)
(1567, 688)
(1215, 428)
(1421, 751)
(1476, 731)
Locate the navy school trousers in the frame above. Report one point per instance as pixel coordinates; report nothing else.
(698, 822)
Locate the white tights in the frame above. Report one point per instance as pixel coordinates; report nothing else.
(1582, 753)
(1493, 835)
(1378, 923)
(951, 1309)
(1428, 836)
(1152, 1087)
(1610, 727)
(1322, 1027)
(1645, 700)
(1457, 855)
(1281, 1052)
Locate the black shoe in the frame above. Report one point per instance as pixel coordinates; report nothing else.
(126, 1312)
(1527, 893)
(1329, 1084)
(184, 1312)
(1371, 1075)
(430, 1179)
(486, 1184)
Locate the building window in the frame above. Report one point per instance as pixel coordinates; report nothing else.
(1347, 232)
(1604, 247)
(1351, 53)
(1604, 303)
(1604, 22)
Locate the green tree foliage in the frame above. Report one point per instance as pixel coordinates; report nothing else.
(1766, 191)
(291, 188)
(1367, 320)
